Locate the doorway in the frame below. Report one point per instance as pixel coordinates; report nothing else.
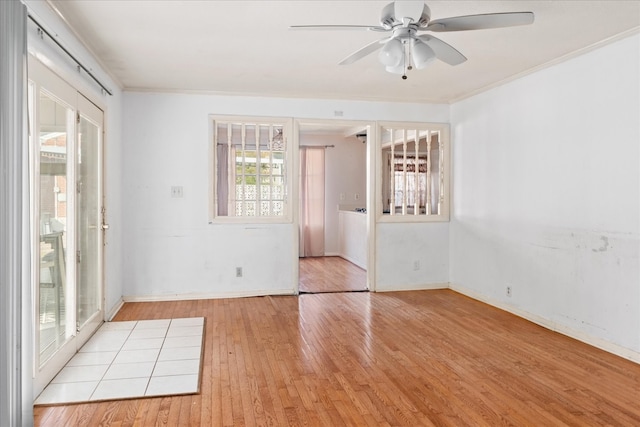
(67, 219)
(333, 204)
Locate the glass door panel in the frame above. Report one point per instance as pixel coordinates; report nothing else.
(66, 146)
(89, 215)
(55, 128)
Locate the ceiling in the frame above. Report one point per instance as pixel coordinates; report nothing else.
(245, 47)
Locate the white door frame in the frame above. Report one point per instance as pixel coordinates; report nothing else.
(41, 76)
(370, 192)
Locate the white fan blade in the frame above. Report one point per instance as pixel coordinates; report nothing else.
(481, 22)
(339, 27)
(444, 51)
(364, 51)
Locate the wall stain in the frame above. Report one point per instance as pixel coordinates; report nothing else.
(605, 245)
(544, 246)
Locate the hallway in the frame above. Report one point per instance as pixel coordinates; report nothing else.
(330, 274)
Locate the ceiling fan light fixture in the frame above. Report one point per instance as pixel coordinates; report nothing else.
(407, 47)
(417, 11)
(398, 69)
(392, 53)
(422, 54)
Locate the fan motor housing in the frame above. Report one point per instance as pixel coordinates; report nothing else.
(393, 14)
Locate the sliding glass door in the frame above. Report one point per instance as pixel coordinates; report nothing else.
(55, 134)
(66, 146)
(89, 215)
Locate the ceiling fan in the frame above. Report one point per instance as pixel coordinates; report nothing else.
(406, 47)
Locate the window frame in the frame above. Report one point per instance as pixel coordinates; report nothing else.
(287, 127)
(445, 140)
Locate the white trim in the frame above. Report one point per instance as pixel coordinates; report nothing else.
(417, 287)
(600, 343)
(553, 62)
(373, 198)
(45, 80)
(370, 126)
(279, 95)
(607, 346)
(412, 219)
(353, 261)
(207, 295)
(533, 70)
(294, 197)
(109, 315)
(287, 124)
(212, 170)
(51, 58)
(445, 161)
(75, 35)
(14, 403)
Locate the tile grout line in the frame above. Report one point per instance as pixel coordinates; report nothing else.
(114, 358)
(157, 357)
(119, 351)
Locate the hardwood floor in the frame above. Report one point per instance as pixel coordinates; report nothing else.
(330, 274)
(418, 358)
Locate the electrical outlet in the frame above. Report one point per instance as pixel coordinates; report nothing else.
(416, 265)
(509, 291)
(356, 196)
(177, 191)
(238, 271)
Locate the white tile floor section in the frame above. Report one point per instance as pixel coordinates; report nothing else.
(132, 359)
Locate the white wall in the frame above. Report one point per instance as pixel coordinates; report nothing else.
(546, 196)
(169, 249)
(412, 256)
(354, 247)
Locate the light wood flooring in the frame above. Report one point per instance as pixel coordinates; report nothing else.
(417, 358)
(330, 274)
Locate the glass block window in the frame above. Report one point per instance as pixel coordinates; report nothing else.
(251, 167)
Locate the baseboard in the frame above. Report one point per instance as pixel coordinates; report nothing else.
(114, 310)
(353, 261)
(418, 287)
(331, 254)
(206, 295)
(600, 343)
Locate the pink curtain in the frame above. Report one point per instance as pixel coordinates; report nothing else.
(311, 201)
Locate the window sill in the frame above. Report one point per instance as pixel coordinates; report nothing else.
(248, 220)
(386, 218)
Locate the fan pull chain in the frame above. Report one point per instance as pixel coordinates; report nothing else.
(404, 60)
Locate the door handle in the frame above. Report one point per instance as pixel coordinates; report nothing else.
(104, 227)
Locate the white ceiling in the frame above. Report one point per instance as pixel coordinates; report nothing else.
(245, 47)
